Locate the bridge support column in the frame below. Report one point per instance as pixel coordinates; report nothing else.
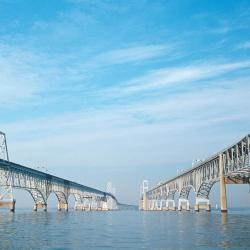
(144, 203)
(61, 206)
(105, 206)
(77, 206)
(155, 206)
(223, 194)
(88, 207)
(164, 207)
(6, 197)
(149, 205)
(183, 204)
(99, 205)
(9, 204)
(170, 204)
(40, 206)
(161, 205)
(93, 204)
(202, 203)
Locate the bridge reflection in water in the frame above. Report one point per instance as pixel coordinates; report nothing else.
(40, 185)
(229, 166)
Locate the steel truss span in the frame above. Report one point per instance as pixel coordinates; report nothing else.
(40, 185)
(229, 166)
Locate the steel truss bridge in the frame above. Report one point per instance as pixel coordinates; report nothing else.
(40, 185)
(229, 166)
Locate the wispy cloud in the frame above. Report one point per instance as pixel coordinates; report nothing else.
(170, 76)
(245, 45)
(128, 55)
(123, 130)
(19, 81)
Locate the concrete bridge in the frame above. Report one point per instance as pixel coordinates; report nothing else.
(229, 166)
(40, 185)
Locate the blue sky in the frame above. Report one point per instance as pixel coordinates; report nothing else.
(123, 90)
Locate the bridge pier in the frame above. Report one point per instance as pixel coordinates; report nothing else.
(93, 205)
(144, 202)
(183, 204)
(9, 204)
(202, 203)
(105, 206)
(223, 194)
(61, 206)
(155, 205)
(40, 206)
(152, 205)
(161, 205)
(170, 205)
(164, 207)
(86, 206)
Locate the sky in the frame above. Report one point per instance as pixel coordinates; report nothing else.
(123, 91)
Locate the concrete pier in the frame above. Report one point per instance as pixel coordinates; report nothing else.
(8, 204)
(40, 206)
(170, 204)
(206, 207)
(223, 195)
(183, 204)
(202, 203)
(61, 206)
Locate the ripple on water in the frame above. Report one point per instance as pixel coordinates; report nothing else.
(124, 229)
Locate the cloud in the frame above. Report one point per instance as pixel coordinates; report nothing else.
(128, 55)
(20, 79)
(120, 135)
(245, 45)
(181, 75)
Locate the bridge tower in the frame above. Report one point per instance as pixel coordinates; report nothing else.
(3, 147)
(6, 180)
(143, 196)
(223, 195)
(110, 203)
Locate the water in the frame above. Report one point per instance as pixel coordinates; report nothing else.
(124, 230)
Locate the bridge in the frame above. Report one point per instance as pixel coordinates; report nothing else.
(40, 185)
(229, 166)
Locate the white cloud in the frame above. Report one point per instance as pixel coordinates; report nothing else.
(18, 80)
(170, 76)
(127, 55)
(27, 74)
(133, 133)
(245, 45)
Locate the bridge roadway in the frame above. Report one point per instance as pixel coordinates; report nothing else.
(40, 185)
(229, 166)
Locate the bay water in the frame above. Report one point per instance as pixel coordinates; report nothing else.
(128, 229)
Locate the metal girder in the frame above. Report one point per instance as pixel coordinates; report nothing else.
(37, 196)
(3, 147)
(40, 185)
(185, 191)
(202, 176)
(205, 189)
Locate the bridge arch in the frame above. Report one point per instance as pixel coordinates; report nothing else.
(38, 197)
(61, 197)
(172, 193)
(185, 191)
(204, 189)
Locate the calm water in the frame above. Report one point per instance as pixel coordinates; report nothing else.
(124, 230)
